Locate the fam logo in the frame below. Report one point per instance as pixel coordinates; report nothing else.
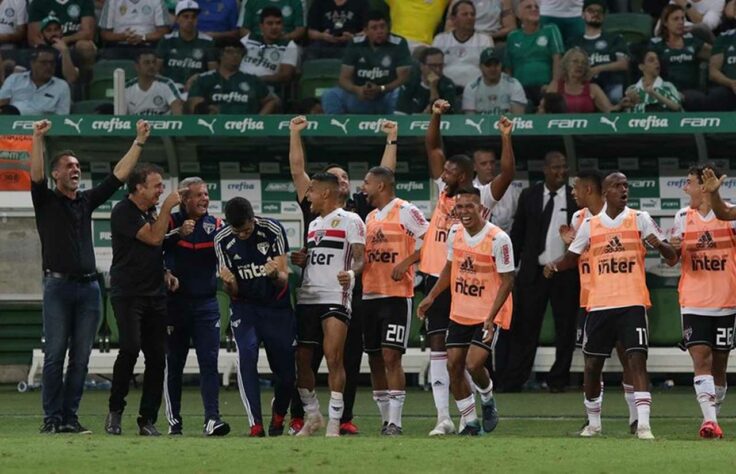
(568, 124)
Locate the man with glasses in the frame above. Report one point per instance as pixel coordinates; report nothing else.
(425, 85)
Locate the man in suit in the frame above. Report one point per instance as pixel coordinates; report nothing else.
(536, 240)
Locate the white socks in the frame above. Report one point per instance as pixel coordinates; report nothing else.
(593, 409)
(396, 405)
(705, 392)
(336, 407)
(630, 402)
(466, 407)
(381, 399)
(486, 394)
(440, 380)
(720, 396)
(309, 400)
(643, 407)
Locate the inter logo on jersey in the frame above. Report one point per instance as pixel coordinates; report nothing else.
(705, 241)
(614, 245)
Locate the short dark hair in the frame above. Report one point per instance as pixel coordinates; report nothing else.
(593, 176)
(427, 52)
(230, 43)
(484, 150)
(455, 7)
(554, 103)
(326, 178)
(329, 166)
(464, 162)
(384, 174)
(698, 169)
(468, 190)
(143, 52)
(551, 154)
(140, 173)
(269, 12)
(40, 49)
(57, 157)
(375, 15)
(238, 211)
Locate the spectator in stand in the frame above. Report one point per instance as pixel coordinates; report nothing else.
(533, 51)
(332, 24)
(149, 93)
(37, 92)
(374, 67)
(126, 27)
(293, 11)
(680, 53)
(565, 14)
(426, 84)
(53, 38)
(226, 90)
(552, 103)
(651, 93)
(13, 24)
(78, 25)
(269, 55)
(722, 71)
(702, 17)
(494, 18)
(608, 53)
(462, 46)
(581, 95)
(416, 20)
(186, 52)
(493, 92)
(219, 19)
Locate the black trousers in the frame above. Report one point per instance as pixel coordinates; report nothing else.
(142, 326)
(531, 296)
(352, 357)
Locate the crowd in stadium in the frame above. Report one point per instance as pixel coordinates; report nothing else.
(369, 56)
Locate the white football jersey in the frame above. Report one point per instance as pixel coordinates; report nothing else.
(141, 16)
(13, 13)
(328, 253)
(156, 100)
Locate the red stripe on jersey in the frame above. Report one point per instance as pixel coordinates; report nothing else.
(189, 245)
(328, 233)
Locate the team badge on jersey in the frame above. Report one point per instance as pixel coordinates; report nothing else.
(263, 247)
(318, 234)
(334, 223)
(208, 227)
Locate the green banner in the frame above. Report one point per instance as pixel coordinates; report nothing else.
(369, 125)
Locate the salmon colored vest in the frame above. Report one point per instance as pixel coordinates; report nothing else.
(387, 244)
(617, 265)
(474, 282)
(708, 275)
(584, 265)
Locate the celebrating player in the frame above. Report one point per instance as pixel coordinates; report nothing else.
(618, 296)
(450, 175)
(335, 247)
(707, 248)
(479, 274)
(588, 197)
(252, 257)
(394, 236)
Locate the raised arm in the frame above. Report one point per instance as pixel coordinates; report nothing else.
(711, 183)
(433, 140)
(297, 160)
(154, 234)
(127, 163)
(503, 180)
(391, 129)
(40, 129)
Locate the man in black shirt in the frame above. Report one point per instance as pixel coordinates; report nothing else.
(71, 294)
(138, 294)
(358, 204)
(332, 24)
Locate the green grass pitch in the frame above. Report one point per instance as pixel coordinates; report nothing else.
(537, 433)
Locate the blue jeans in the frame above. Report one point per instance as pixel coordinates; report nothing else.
(71, 315)
(337, 101)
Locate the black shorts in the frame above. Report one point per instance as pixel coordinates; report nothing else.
(603, 328)
(386, 323)
(582, 313)
(714, 331)
(309, 321)
(438, 315)
(461, 335)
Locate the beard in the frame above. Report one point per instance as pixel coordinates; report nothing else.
(595, 24)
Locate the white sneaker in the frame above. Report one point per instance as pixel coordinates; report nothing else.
(644, 432)
(590, 431)
(333, 428)
(444, 427)
(312, 424)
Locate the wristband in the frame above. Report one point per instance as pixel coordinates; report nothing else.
(383, 88)
(392, 142)
(140, 144)
(352, 277)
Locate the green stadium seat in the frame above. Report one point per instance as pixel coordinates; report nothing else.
(88, 106)
(101, 86)
(636, 28)
(317, 76)
(101, 89)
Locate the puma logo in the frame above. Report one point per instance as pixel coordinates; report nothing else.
(475, 125)
(611, 123)
(73, 124)
(340, 125)
(207, 125)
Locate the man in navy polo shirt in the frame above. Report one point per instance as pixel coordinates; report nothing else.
(193, 313)
(252, 257)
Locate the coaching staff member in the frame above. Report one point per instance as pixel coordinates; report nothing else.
(138, 294)
(71, 295)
